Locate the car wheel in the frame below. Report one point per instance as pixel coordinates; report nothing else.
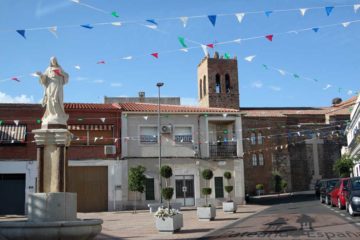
(351, 211)
(339, 204)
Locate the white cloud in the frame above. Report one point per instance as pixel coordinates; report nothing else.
(189, 101)
(98, 81)
(81, 78)
(4, 98)
(257, 84)
(275, 88)
(116, 84)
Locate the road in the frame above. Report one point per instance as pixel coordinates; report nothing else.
(292, 217)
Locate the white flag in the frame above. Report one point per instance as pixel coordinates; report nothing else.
(184, 20)
(16, 122)
(250, 58)
(350, 92)
(76, 1)
(282, 72)
(204, 48)
(77, 67)
(53, 30)
(327, 86)
(118, 24)
(184, 49)
(95, 139)
(346, 24)
(237, 40)
(151, 26)
(356, 7)
(303, 11)
(34, 74)
(127, 58)
(103, 119)
(240, 16)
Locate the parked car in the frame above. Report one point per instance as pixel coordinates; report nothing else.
(317, 188)
(338, 193)
(326, 187)
(353, 196)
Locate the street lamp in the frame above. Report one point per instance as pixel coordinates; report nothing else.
(159, 85)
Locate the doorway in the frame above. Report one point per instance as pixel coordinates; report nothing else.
(185, 190)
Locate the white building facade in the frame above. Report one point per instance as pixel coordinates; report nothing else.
(353, 136)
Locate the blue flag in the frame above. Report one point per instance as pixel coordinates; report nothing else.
(152, 21)
(88, 26)
(21, 32)
(212, 19)
(315, 29)
(328, 10)
(268, 13)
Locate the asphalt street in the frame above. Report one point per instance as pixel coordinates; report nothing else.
(292, 217)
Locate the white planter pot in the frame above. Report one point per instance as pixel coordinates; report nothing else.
(206, 213)
(170, 224)
(229, 207)
(260, 192)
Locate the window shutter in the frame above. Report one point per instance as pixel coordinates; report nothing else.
(149, 189)
(219, 187)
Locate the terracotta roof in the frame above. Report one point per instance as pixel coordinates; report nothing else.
(342, 108)
(91, 106)
(281, 112)
(148, 107)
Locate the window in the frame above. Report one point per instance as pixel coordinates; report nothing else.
(10, 134)
(217, 84)
(261, 159)
(260, 138)
(183, 135)
(148, 134)
(200, 89)
(149, 189)
(204, 86)
(254, 160)
(227, 83)
(253, 138)
(91, 134)
(219, 187)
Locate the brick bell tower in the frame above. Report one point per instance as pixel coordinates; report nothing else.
(218, 84)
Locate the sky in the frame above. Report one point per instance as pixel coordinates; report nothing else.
(296, 68)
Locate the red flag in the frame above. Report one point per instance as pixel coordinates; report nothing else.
(101, 62)
(211, 45)
(155, 55)
(269, 37)
(15, 79)
(57, 72)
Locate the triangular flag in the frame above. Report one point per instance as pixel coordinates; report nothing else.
(77, 67)
(204, 48)
(328, 10)
(212, 19)
(127, 58)
(155, 55)
(118, 24)
(282, 72)
(34, 74)
(184, 20)
(182, 42)
(250, 58)
(296, 76)
(237, 40)
(303, 11)
(21, 32)
(76, 1)
(315, 29)
(101, 62)
(53, 30)
(269, 37)
(240, 16)
(152, 21)
(88, 26)
(115, 14)
(226, 56)
(95, 139)
(268, 13)
(16, 122)
(115, 140)
(103, 119)
(346, 24)
(184, 50)
(210, 45)
(265, 66)
(356, 7)
(327, 86)
(15, 79)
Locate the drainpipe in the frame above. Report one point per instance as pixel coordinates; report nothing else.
(199, 146)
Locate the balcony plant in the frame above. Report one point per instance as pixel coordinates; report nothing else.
(259, 189)
(208, 211)
(168, 219)
(229, 206)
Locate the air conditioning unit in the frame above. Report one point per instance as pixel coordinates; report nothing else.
(109, 149)
(166, 129)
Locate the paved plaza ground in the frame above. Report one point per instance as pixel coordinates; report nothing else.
(126, 225)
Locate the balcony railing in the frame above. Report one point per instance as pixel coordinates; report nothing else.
(227, 149)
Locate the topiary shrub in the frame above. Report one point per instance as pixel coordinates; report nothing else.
(259, 186)
(166, 171)
(227, 175)
(207, 174)
(167, 192)
(228, 188)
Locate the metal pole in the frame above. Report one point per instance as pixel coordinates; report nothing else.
(159, 85)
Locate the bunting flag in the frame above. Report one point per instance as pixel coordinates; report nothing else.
(118, 24)
(250, 58)
(115, 14)
(316, 29)
(182, 42)
(22, 33)
(127, 58)
(328, 10)
(296, 75)
(268, 13)
(76, 1)
(88, 26)
(184, 20)
(303, 11)
(34, 74)
(210, 45)
(265, 66)
(103, 119)
(204, 48)
(282, 72)
(226, 56)
(77, 67)
(53, 30)
(269, 37)
(327, 86)
(345, 24)
(101, 62)
(15, 79)
(237, 40)
(153, 25)
(356, 7)
(16, 122)
(155, 55)
(212, 19)
(184, 50)
(240, 16)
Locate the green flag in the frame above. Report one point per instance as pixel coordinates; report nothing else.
(296, 76)
(115, 14)
(226, 56)
(182, 42)
(265, 66)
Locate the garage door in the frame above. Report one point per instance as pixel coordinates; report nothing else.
(12, 194)
(91, 186)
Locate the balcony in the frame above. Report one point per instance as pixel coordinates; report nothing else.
(223, 150)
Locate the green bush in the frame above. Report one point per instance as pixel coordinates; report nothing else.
(166, 171)
(167, 193)
(229, 189)
(206, 191)
(283, 185)
(227, 175)
(259, 186)
(207, 174)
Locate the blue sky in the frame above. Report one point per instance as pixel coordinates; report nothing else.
(331, 56)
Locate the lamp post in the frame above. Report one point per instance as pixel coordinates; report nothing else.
(159, 85)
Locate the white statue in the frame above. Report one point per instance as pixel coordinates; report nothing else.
(53, 80)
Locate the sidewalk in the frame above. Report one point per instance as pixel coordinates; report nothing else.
(126, 225)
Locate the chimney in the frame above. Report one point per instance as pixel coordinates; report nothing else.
(141, 96)
(336, 101)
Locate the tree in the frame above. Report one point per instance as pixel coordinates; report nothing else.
(167, 192)
(137, 181)
(344, 165)
(228, 188)
(207, 174)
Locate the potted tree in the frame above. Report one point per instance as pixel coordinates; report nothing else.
(137, 181)
(168, 219)
(259, 189)
(229, 206)
(206, 212)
